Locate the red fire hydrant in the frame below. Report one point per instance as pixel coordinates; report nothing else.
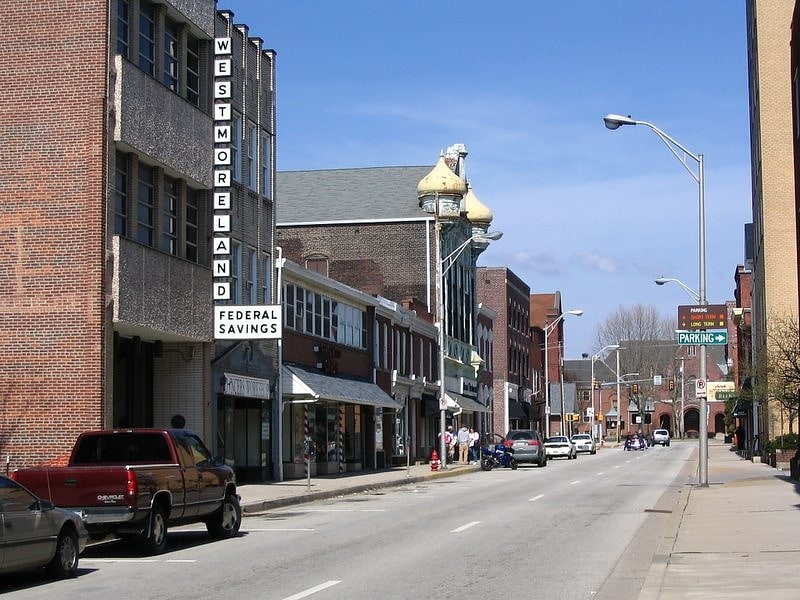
(435, 462)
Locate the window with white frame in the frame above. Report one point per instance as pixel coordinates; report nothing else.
(252, 151)
(317, 314)
(266, 164)
(172, 63)
(266, 280)
(192, 219)
(252, 275)
(169, 219)
(145, 205)
(123, 27)
(147, 37)
(236, 147)
(236, 272)
(121, 194)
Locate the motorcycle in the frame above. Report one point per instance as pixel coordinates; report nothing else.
(499, 456)
(635, 443)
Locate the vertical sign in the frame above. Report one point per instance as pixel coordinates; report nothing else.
(223, 85)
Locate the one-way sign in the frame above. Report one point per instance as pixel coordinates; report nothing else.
(703, 338)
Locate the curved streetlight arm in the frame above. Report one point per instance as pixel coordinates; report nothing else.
(694, 295)
(615, 121)
(449, 260)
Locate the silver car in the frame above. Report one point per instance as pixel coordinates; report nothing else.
(584, 443)
(528, 446)
(34, 533)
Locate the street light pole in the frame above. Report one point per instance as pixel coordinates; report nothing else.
(595, 433)
(619, 400)
(613, 121)
(548, 328)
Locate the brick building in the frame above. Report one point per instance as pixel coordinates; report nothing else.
(376, 229)
(503, 291)
(107, 216)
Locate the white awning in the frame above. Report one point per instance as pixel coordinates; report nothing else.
(301, 383)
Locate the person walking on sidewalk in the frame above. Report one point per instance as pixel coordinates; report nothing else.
(463, 445)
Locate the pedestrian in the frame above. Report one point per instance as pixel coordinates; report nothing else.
(178, 421)
(463, 445)
(474, 436)
(448, 442)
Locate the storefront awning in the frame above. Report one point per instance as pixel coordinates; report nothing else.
(301, 384)
(467, 404)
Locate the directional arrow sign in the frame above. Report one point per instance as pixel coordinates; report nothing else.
(703, 338)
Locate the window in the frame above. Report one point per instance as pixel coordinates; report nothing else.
(317, 264)
(169, 224)
(192, 224)
(252, 273)
(146, 206)
(193, 70)
(121, 195)
(252, 151)
(266, 280)
(236, 147)
(171, 56)
(266, 164)
(236, 273)
(317, 314)
(123, 27)
(147, 38)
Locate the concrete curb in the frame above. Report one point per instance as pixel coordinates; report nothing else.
(252, 509)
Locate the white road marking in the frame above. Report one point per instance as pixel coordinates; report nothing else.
(535, 498)
(463, 527)
(574, 482)
(135, 560)
(314, 590)
(249, 530)
(601, 473)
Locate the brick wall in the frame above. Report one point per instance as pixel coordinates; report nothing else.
(52, 223)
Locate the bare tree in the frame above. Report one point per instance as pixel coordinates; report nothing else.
(647, 348)
(782, 367)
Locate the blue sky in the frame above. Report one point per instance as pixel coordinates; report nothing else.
(592, 213)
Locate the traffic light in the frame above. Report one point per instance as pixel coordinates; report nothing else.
(671, 385)
(635, 388)
(595, 385)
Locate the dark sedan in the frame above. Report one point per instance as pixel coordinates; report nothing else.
(34, 533)
(528, 446)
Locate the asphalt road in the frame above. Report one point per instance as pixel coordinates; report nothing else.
(562, 532)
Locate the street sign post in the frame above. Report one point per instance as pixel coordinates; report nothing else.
(704, 338)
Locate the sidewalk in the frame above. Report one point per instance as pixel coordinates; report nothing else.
(737, 538)
(259, 497)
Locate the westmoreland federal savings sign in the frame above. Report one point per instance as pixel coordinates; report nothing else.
(248, 322)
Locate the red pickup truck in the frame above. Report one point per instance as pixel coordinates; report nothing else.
(136, 482)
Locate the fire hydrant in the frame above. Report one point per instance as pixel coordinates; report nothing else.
(435, 462)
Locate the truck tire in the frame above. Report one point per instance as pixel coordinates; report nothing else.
(225, 522)
(154, 538)
(65, 560)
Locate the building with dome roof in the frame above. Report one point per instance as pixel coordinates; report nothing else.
(376, 229)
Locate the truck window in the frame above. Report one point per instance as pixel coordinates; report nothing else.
(200, 454)
(123, 448)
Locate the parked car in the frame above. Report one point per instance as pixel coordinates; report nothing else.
(661, 436)
(34, 533)
(135, 483)
(584, 443)
(560, 445)
(528, 446)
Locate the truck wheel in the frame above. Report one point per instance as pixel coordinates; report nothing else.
(225, 522)
(154, 539)
(65, 560)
